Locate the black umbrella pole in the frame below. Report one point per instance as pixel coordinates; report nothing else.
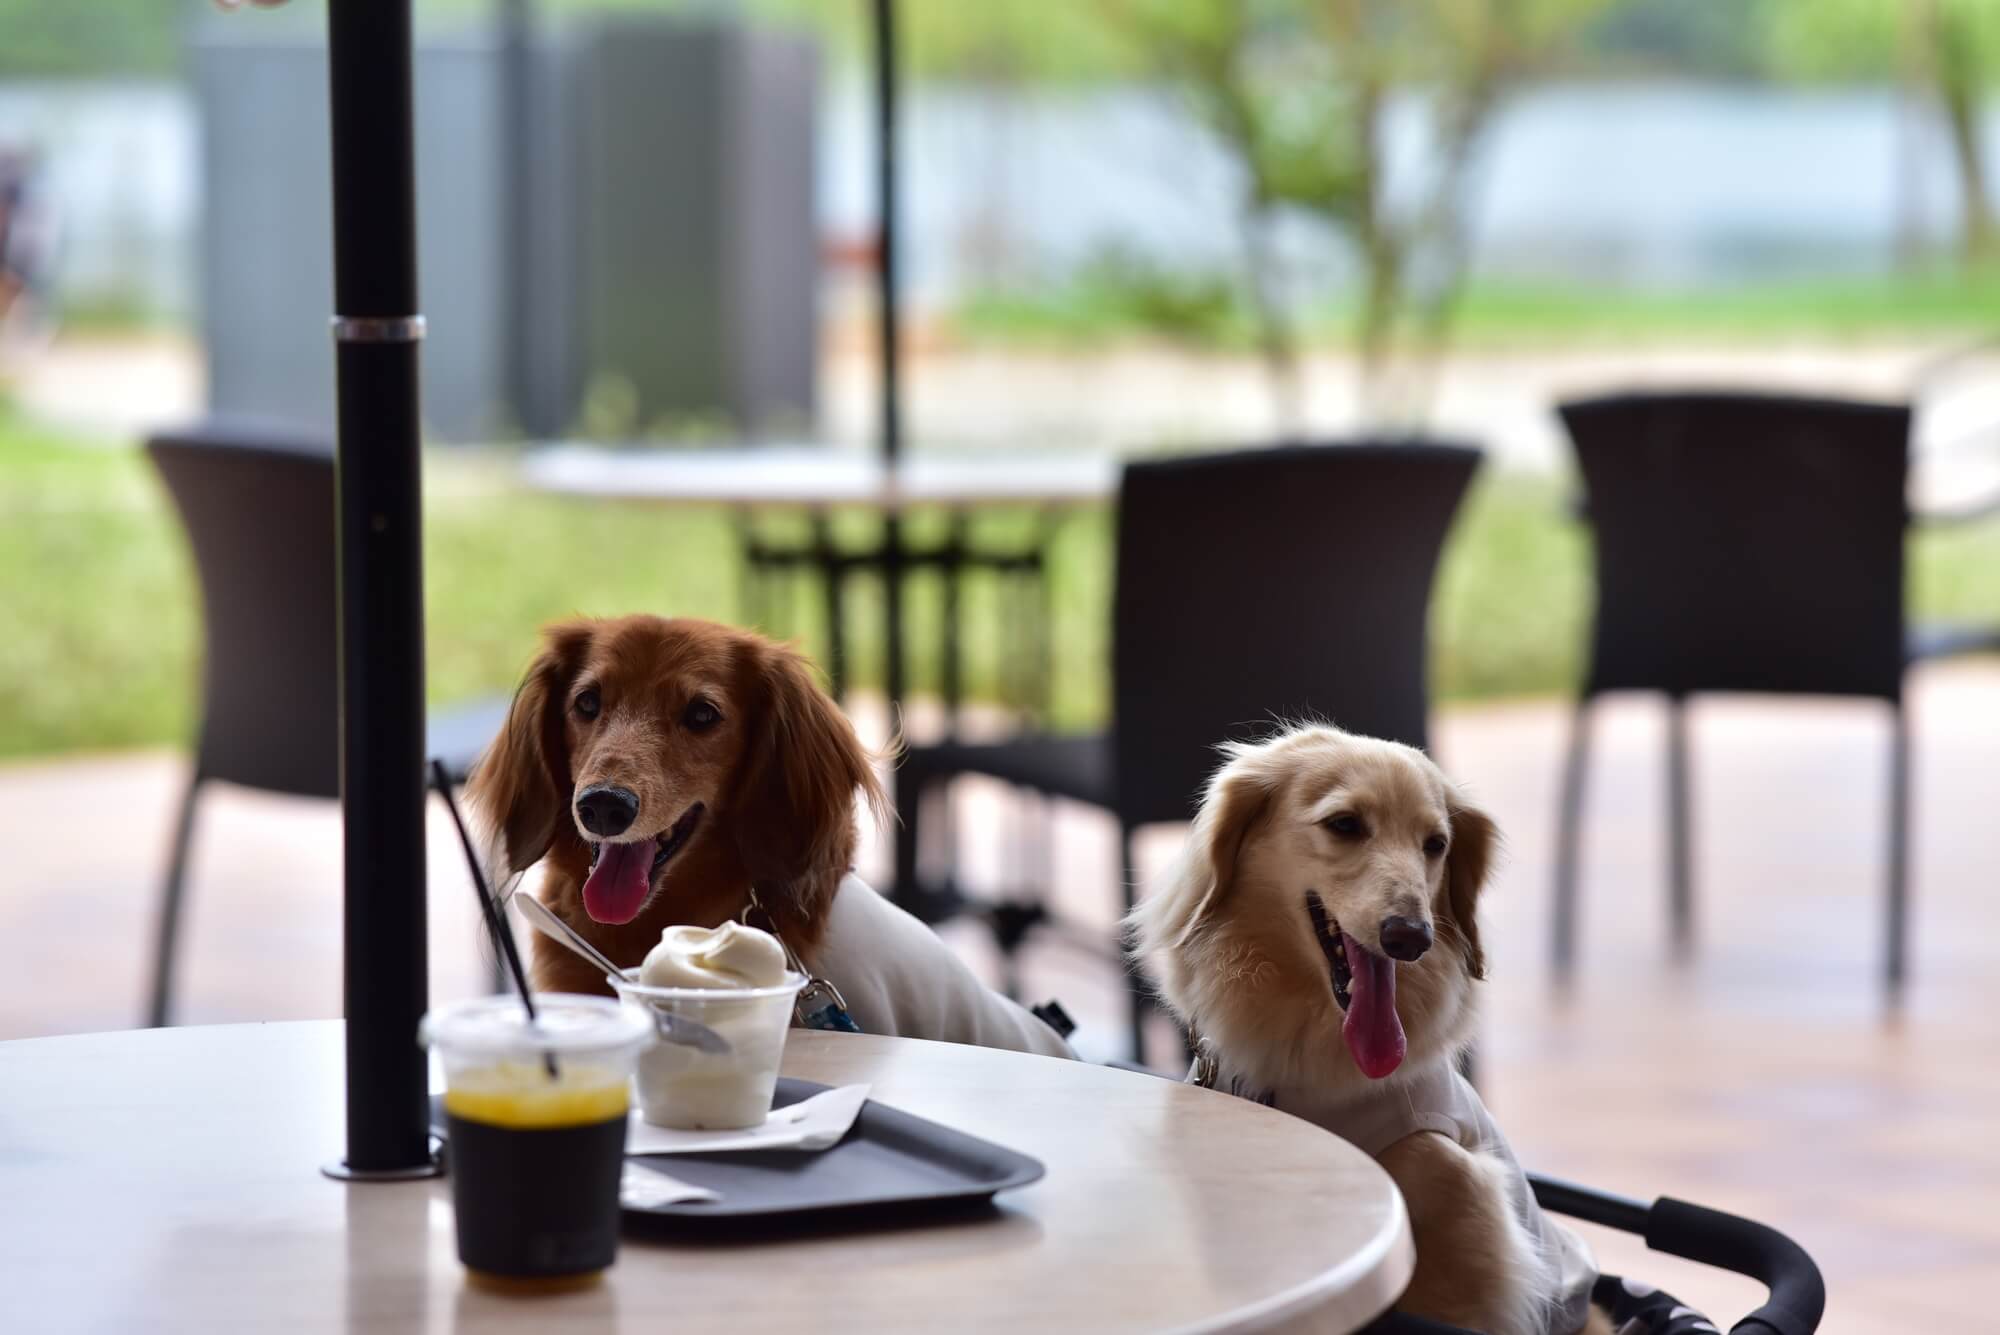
(886, 203)
(376, 332)
(905, 886)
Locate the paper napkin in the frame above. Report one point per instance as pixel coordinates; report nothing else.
(648, 1188)
(816, 1123)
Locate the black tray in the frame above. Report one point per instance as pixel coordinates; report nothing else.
(890, 1164)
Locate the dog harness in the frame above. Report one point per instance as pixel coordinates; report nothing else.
(876, 970)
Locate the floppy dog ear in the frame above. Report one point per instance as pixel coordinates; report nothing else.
(1473, 840)
(794, 820)
(519, 789)
(1206, 868)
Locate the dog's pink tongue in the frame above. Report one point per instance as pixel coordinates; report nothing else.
(618, 883)
(1373, 1030)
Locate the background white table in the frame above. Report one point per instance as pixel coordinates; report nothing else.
(821, 477)
(168, 1180)
(820, 480)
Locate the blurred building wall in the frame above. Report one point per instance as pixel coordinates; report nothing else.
(672, 245)
(687, 211)
(1654, 184)
(265, 240)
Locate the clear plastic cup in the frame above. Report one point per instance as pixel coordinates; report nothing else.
(535, 1157)
(685, 1084)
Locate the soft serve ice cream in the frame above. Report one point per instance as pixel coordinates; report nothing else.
(734, 980)
(731, 955)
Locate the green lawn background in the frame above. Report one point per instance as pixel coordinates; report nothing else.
(99, 612)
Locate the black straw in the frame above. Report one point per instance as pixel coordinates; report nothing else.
(503, 940)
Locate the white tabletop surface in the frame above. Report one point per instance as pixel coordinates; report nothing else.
(809, 476)
(168, 1180)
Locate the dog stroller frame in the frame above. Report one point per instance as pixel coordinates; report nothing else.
(1695, 1233)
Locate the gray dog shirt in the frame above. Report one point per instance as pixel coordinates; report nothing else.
(1439, 1099)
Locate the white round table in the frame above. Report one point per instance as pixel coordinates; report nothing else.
(168, 1180)
(752, 479)
(789, 475)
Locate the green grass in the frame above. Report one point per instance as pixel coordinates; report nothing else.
(1939, 301)
(1106, 302)
(1112, 295)
(99, 617)
(97, 614)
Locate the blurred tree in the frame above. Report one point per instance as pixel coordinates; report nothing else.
(1297, 91)
(1945, 48)
(1708, 39)
(1955, 43)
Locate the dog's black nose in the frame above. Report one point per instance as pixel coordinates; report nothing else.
(1403, 939)
(607, 811)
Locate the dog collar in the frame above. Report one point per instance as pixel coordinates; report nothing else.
(819, 1004)
(1205, 1072)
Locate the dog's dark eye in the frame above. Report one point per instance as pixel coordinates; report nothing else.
(701, 715)
(1434, 846)
(1347, 825)
(587, 703)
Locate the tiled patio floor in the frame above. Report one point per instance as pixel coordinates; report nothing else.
(1764, 1076)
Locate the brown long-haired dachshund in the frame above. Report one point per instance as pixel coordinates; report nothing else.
(666, 768)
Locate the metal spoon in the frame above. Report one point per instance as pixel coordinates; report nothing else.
(673, 1028)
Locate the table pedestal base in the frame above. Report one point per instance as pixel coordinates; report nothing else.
(338, 1170)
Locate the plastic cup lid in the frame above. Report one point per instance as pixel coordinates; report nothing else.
(563, 1023)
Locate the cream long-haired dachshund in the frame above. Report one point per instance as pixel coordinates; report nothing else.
(1318, 937)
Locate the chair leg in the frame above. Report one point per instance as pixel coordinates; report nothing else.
(160, 1010)
(1569, 820)
(1014, 919)
(1141, 1001)
(1896, 949)
(951, 662)
(750, 574)
(833, 592)
(1679, 873)
(1010, 911)
(906, 807)
(1041, 633)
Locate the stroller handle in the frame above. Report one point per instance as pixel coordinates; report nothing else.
(1798, 1294)
(1710, 1237)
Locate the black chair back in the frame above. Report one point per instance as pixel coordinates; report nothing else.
(1272, 584)
(257, 504)
(1745, 542)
